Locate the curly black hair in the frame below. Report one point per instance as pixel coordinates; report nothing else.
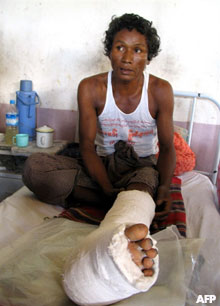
(130, 22)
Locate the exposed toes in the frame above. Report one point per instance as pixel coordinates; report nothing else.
(146, 244)
(152, 253)
(147, 262)
(136, 254)
(136, 232)
(148, 272)
(140, 248)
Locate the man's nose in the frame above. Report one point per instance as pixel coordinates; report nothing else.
(127, 56)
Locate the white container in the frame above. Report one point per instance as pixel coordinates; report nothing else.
(44, 137)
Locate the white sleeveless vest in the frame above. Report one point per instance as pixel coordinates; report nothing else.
(137, 128)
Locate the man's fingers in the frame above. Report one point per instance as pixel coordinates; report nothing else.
(163, 195)
(159, 201)
(163, 208)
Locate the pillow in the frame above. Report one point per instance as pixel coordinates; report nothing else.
(185, 157)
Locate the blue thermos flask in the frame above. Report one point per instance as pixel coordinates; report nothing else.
(26, 100)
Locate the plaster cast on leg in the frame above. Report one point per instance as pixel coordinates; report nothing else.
(101, 270)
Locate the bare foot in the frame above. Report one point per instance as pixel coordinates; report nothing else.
(141, 248)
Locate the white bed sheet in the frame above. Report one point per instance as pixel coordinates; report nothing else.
(22, 212)
(200, 199)
(203, 221)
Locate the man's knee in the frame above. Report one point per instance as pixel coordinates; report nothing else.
(50, 178)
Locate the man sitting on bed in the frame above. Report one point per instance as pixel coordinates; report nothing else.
(123, 114)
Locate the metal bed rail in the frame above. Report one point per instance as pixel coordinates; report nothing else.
(199, 97)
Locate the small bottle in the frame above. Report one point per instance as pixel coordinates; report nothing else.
(11, 123)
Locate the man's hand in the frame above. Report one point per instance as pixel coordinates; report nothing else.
(163, 202)
(112, 192)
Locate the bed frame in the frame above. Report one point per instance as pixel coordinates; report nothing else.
(199, 97)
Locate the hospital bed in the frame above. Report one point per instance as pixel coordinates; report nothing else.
(34, 243)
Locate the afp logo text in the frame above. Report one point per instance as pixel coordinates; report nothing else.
(206, 298)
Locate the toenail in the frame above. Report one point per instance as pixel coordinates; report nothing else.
(152, 253)
(148, 272)
(146, 244)
(147, 262)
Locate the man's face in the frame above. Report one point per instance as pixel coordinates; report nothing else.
(129, 54)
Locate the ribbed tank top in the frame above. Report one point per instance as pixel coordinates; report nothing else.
(137, 128)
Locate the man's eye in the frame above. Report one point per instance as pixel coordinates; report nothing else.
(120, 48)
(137, 50)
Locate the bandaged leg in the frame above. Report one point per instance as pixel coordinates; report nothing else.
(101, 271)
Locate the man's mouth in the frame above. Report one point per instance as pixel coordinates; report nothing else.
(126, 71)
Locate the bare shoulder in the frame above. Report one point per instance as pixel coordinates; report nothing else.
(98, 81)
(92, 90)
(160, 95)
(160, 88)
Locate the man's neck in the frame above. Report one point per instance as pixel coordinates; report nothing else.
(127, 87)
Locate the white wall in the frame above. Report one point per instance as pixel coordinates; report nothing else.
(56, 43)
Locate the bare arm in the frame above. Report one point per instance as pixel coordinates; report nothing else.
(167, 157)
(87, 134)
